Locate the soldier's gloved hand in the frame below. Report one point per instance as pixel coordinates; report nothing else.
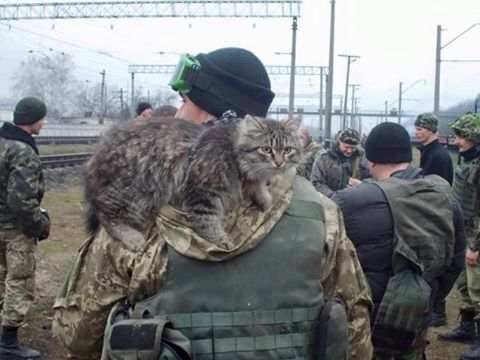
(45, 227)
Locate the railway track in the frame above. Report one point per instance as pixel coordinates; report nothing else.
(64, 160)
(44, 140)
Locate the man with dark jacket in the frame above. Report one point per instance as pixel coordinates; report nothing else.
(380, 215)
(434, 158)
(341, 166)
(22, 221)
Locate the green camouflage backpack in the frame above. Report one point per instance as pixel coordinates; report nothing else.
(422, 211)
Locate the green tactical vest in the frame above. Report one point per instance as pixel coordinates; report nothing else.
(465, 191)
(267, 303)
(422, 212)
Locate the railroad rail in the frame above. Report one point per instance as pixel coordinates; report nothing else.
(44, 140)
(64, 160)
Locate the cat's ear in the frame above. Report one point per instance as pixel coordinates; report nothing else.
(292, 124)
(252, 123)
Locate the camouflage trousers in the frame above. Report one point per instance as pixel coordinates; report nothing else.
(468, 284)
(17, 275)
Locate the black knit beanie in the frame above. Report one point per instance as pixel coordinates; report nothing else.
(141, 107)
(242, 71)
(388, 143)
(29, 110)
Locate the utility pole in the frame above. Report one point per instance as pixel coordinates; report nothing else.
(400, 103)
(352, 115)
(328, 104)
(291, 102)
(438, 52)
(350, 59)
(386, 111)
(102, 98)
(132, 94)
(320, 109)
(438, 62)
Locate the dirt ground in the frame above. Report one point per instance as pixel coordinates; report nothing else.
(55, 254)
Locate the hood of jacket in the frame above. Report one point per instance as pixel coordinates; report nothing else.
(245, 225)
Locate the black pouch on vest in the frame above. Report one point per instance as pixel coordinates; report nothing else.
(146, 339)
(333, 332)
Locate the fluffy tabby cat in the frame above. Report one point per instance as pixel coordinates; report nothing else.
(204, 171)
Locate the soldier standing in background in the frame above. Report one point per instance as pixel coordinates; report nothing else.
(302, 227)
(340, 166)
(434, 158)
(311, 150)
(466, 185)
(144, 111)
(22, 221)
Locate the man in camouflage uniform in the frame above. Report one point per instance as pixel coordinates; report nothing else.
(105, 273)
(466, 184)
(22, 221)
(341, 166)
(311, 150)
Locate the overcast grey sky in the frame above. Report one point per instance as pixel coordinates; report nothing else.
(395, 39)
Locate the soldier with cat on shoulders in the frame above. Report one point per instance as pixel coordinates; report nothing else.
(290, 286)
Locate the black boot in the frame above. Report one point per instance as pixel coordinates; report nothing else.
(439, 317)
(11, 349)
(474, 352)
(465, 332)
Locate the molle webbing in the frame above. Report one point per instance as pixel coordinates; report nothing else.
(272, 333)
(465, 189)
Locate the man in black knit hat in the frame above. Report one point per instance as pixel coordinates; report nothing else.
(407, 233)
(230, 311)
(22, 221)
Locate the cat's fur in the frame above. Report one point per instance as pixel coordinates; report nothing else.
(204, 171)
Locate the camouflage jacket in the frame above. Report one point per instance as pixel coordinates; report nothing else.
(21, 183)
(105, 272)
(330, 175)
(311, 150)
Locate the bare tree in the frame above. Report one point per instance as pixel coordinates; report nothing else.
(50, 78)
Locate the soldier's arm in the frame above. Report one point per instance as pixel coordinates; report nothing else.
(342, 277)
(318, 177)
(22, 191)
(103, 273)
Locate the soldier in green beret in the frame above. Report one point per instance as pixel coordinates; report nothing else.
(22, 221)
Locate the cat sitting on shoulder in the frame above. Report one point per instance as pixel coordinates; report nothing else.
(204, 171)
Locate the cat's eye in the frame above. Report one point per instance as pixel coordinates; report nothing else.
(266, 149)
(288, 149)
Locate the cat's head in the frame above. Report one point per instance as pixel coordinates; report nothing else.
(266, 148)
